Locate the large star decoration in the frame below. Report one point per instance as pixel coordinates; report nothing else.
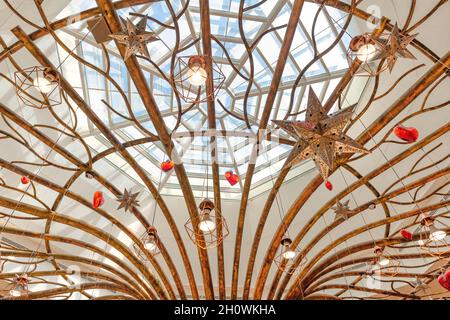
(135, 38)
(320, 136)
(395, 46)
(341, 210)
(128, 200)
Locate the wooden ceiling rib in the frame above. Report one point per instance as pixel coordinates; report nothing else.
(282, 58)
(205, 25)
(141, 84)
(284, 172)
(134, 281)
(37, 212)
(131, 277)
(359, 183)
(432, 75)
(96, 120)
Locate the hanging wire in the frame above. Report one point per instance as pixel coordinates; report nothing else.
(278, 199)
(157, 198)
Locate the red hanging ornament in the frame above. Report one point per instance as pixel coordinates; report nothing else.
(98, 200)
(408, 134)
(231, 177)
(167, 165)
(406, 235)
(24, 180)
(444, 280)
(328, 185)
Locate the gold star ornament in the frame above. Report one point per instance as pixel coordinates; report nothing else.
(128, 200)
(135, 38)
(321, 136)
(342, 210)
(395, 46)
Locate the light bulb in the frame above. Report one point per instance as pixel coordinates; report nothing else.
(289, 254)
(367, 52)
(437, 235)
(197, 75)
(17, 291)
(42, 84)
(207, 225)
(384, 262)
(150, 245)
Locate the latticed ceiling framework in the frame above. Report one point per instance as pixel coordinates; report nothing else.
(64, 166)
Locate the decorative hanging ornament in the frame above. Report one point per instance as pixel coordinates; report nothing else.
(384, 262)
(364, 48)
(20, 287)
(321, 136)
(191, 77)
(206, 234)
(389, 46)
(38, 87)
(231, 177)
(24, 180)
(444, 280)
(289, 259)
(406, 235)
(395, 46)
(151, 243)
(98, 199)
(329, 185)
(342, 210)
(167, 165)
(408, 134)
(135, 38)
(128, 200)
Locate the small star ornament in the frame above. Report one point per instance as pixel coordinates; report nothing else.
(419, 286)
(395, 46)
(341, 210)
(321, 136)
(128, 200)
(135, 38)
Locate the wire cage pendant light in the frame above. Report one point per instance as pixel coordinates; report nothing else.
(290, 259)
(368, 52)
(384, 262)
(18, 289)
(211, 227)
(432, 239)
(191, 77)
(38, 87)
(151, 243)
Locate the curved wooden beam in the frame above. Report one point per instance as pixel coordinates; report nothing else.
(65, 85)
(282, 59)
(81, 244)
(153, 111)
(38, 212)
(297, 284)
(74, 18)
(413, 92)
(359, 210)
(205, 25)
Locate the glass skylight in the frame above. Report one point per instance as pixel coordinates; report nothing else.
(234, 150)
